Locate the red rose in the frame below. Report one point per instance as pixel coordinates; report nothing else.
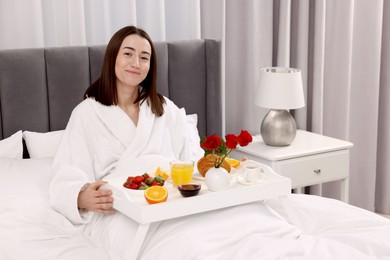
(231, 141)
(212, 142)
(244, 138)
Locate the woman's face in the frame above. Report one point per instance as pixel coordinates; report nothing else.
(133, 61)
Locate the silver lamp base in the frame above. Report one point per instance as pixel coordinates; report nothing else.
(278, 128)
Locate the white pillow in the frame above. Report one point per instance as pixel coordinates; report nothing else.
(42, 145)
(12, 147)
(192, 120)
(26, 179)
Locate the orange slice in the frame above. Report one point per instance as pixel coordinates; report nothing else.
(162, 173)
(156, 194)
(233, 162)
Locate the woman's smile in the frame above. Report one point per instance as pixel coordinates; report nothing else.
(133, 72)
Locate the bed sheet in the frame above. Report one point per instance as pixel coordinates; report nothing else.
(249, 231)
(29, 227)
(317, 228)
(338, 221)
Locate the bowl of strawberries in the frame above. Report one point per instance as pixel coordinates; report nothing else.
(145, 180)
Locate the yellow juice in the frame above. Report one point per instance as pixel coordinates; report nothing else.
(181, 172)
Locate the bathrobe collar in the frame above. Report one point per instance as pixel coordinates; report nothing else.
(134, 138)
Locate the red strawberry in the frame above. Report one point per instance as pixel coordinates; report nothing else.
(146, 175)
(132, 186)
(156, 183)
(138, 179)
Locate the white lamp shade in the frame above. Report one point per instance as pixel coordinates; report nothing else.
(280, 88)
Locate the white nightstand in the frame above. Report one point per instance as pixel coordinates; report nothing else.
(311, 159)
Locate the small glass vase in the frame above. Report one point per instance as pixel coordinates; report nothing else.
(217, 179)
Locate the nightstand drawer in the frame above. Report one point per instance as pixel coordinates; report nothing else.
(315, 169)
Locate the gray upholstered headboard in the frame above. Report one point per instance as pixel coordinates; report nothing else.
(40, 87)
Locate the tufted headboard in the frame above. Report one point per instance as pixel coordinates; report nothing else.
(40, 87)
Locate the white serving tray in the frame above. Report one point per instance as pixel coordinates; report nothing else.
(133, 204)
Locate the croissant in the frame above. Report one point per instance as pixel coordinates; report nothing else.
(205, 163)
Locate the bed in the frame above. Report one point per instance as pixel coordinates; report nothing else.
(38, 90)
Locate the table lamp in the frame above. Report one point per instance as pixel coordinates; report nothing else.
(279, 89)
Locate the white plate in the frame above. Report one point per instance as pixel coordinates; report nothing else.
(197, 176)
(241, 179)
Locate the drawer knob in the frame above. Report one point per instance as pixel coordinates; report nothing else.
(318, 171)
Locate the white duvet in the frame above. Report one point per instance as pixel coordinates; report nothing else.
(244, 232)
(29, 227)
(322, 228)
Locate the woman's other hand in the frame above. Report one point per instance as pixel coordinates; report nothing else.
(93, 199)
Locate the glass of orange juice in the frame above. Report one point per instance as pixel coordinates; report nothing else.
(181, 171)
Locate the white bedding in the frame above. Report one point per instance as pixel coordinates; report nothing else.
(253, 233)
(29, 228)
(323, 229)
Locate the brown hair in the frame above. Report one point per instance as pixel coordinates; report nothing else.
(104, 88)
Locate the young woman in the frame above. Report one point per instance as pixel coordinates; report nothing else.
(123, 117)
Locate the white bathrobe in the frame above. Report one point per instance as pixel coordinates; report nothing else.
(99, 138)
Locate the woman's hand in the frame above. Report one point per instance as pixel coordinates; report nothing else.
(93, 199)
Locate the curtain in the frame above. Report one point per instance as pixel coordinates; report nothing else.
(342, 48)
(382, 194)
(47, 23)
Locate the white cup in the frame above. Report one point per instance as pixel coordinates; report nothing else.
(253, 173)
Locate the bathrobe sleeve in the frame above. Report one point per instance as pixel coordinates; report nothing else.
(73, 167)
